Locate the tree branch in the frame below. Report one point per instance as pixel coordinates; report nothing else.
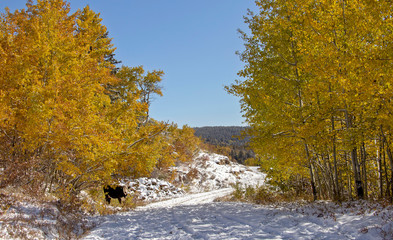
(148, 137)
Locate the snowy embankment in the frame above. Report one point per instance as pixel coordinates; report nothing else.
(207, 172)
(210, 171)
(28, 218)
(151, 189)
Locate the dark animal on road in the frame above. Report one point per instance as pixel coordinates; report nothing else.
(117, 192)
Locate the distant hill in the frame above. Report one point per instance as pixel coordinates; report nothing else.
(227, 138)
(223, 136)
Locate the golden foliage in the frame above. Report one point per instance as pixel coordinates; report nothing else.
(316, 91)
(68, 121)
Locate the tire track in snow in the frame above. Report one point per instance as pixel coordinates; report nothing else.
(184, 225)
(236, 219)
(193, 199)
(187, 227)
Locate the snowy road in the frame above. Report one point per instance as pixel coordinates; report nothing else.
(177, 219)
(193, 199)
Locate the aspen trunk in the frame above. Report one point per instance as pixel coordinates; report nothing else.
(317, 182)
(364, 169)
(357, 176)
(314, 191)
(349, 176)
(337, 187)
(329, 176)
(386, 174)
(355, 163)
(389, 181)
(391, 169)
(379, 164)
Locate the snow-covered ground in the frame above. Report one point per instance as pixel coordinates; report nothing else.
(29, 218)
(196, 216)
(210, 171)
(191, 199)
(151, 189)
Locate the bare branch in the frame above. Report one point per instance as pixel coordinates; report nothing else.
(284, 78)
(148, 137)
(285, 60)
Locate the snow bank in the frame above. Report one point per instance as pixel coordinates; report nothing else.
(27, 218)
(210, 171)
(151, 189)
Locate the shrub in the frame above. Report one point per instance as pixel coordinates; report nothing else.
(237, 194)
(262, 195)
(249, 193)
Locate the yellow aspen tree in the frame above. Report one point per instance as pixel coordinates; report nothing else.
(55, 107)
(317, 74)
(272, 95)
(140, 138)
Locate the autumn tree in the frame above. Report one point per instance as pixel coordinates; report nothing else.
(179, 145)
(54, 113)
(314, 93)
(69, 118)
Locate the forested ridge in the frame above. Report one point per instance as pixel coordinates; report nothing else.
(222, 135)
(231, 141)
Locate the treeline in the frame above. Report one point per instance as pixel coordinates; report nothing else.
(317, 94)
(222, 135)
(226, 140)
(70, 119)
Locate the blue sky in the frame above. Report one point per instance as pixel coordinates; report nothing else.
(193, 42)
